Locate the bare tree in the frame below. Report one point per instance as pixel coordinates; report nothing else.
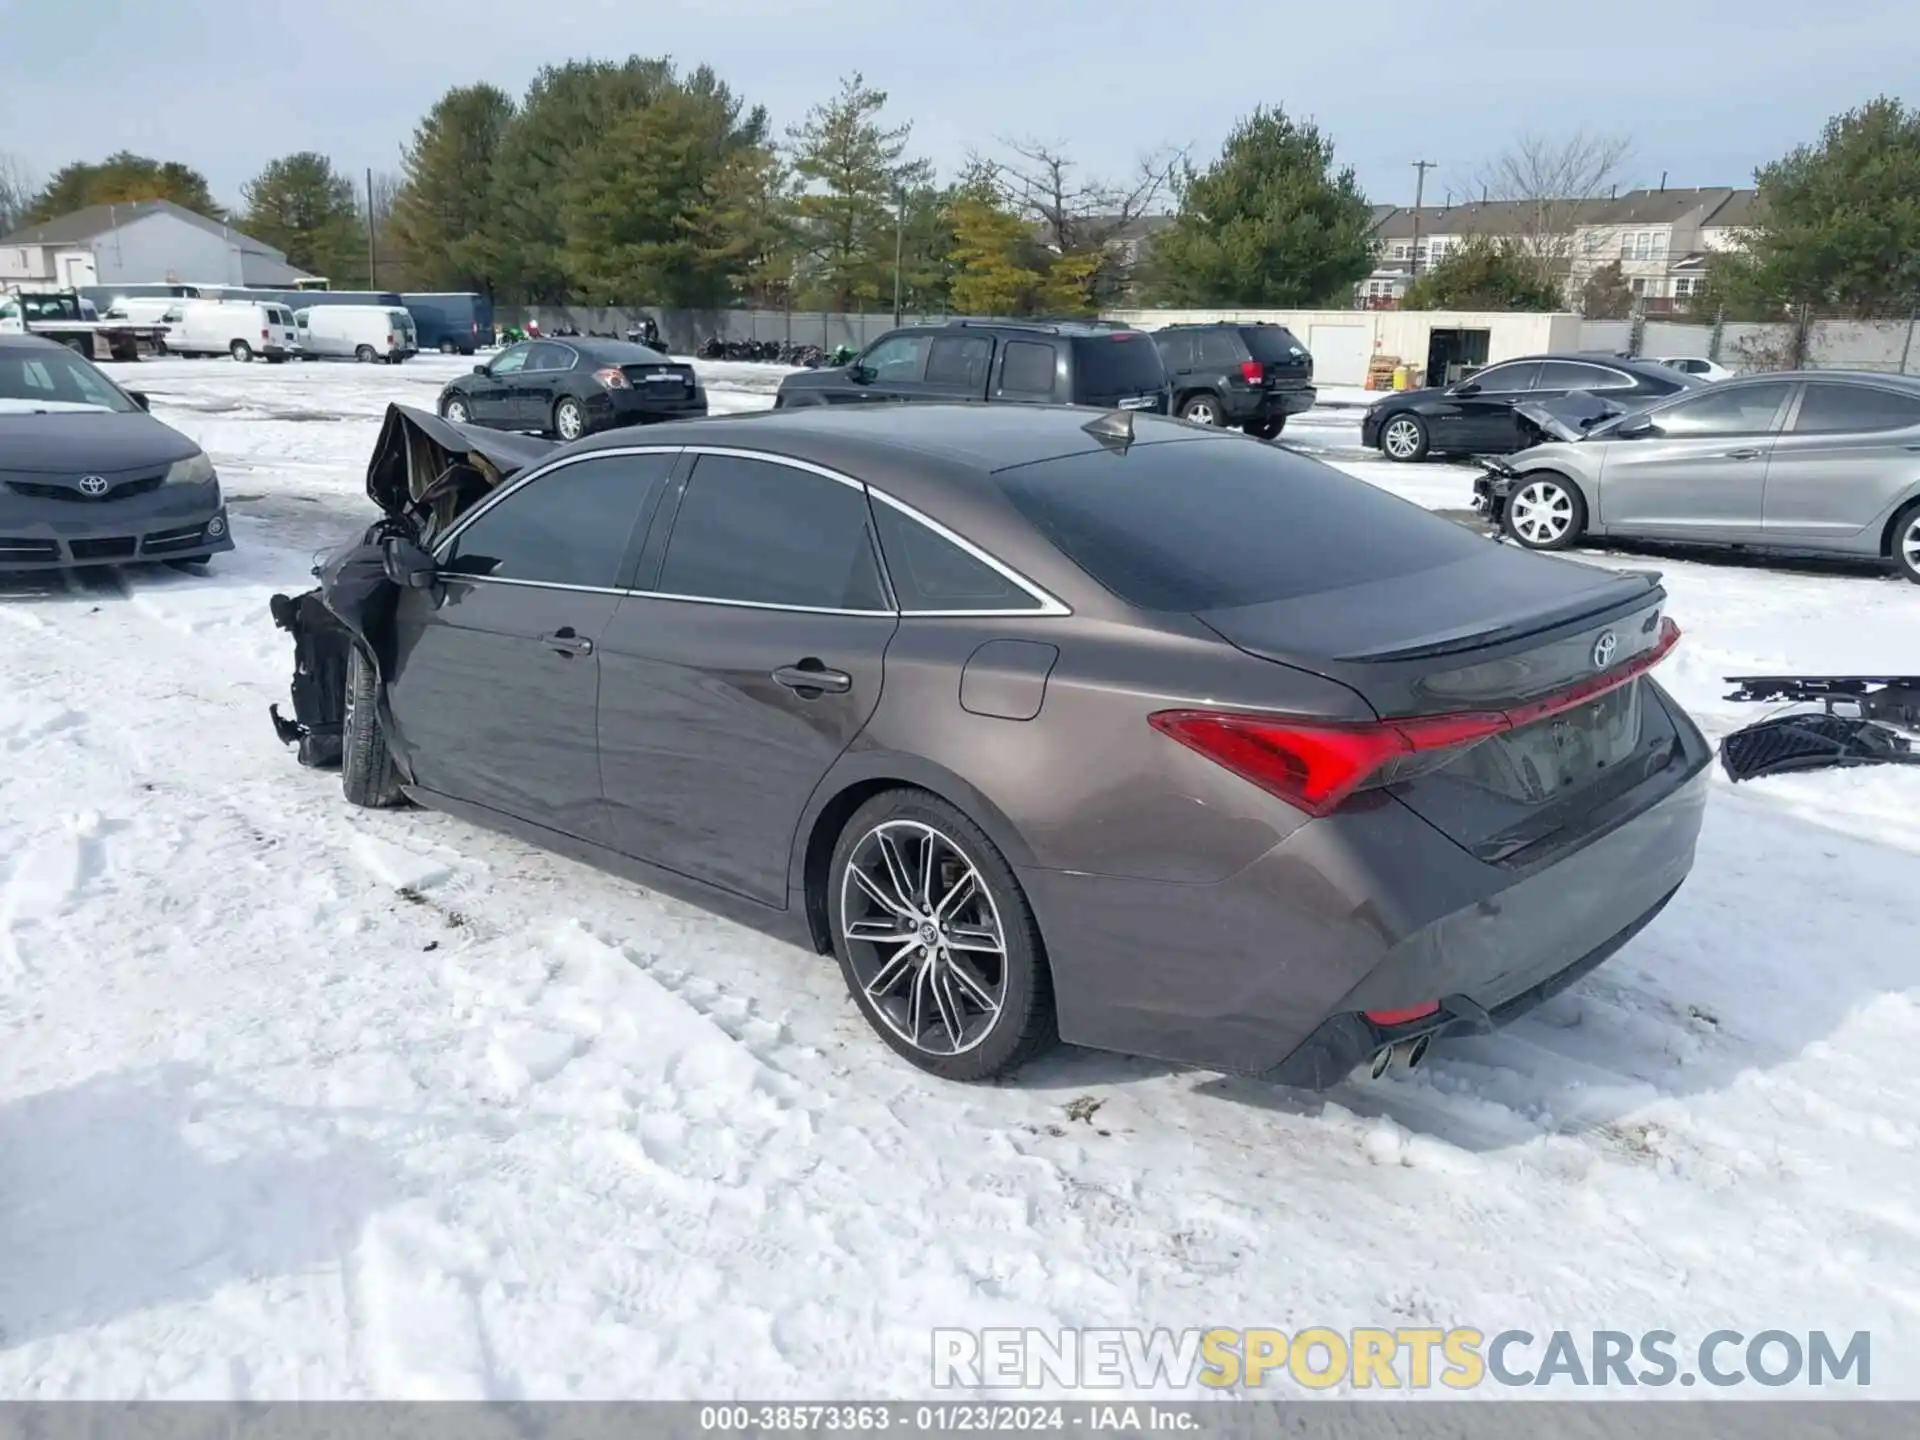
(1552, 181)
(1073, 213)
(17, 189)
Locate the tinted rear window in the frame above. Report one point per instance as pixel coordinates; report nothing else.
(1118, 365)
(1272, 344)
(1215, 524)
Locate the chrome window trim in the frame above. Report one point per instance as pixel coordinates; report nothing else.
(1045, 604)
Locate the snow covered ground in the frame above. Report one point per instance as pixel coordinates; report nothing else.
(302, 1101)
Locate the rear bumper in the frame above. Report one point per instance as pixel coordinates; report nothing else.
(1372, 909)
(157, 526)
(636, 407)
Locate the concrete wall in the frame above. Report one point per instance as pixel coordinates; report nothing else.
(163, 248)
(1883, 345)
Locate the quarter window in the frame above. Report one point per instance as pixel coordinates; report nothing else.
(930, 572)
(765, 534)
(1740, 410)
(571, 526)
(1833, 409)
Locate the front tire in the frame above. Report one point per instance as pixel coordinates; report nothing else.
(1544, 511)
(1906, 543)
(1404, 438)
(455, 412)
(1201, 410)
(569, 419)
(936, 940)
(367, 776)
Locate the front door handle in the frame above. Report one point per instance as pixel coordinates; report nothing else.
(812, 675)
(567, 642)
(1743, 455)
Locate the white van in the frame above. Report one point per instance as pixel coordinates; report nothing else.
(238, 328)
(356, 332)
(141, 309)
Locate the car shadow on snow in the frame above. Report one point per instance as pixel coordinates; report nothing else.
(1781, 935)
(144, 1189)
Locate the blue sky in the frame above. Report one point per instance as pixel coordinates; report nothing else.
(1707, 89)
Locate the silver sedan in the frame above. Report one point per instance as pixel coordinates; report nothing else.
(1822, 460)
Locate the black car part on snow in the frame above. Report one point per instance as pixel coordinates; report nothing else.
(1883, 706)
(425, 473)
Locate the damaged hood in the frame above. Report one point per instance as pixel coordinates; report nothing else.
(1574, 416)
(428, 469)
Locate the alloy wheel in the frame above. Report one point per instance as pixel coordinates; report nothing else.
(923, 937)
(456, 412)
(1401, 439)
(1200, 413)
(566, 420)
(1910, 546)
(1541, 513)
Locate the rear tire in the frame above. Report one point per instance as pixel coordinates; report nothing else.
(1544, 511)
(447, 347)
(1404, 438)
(241, 351)
(364, 354)
(569, 418)
(1201, 410)
(1015, 981)
(1906, 543)
(367, 776)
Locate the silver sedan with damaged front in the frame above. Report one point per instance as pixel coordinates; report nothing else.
(1822, 461)
(88, 477)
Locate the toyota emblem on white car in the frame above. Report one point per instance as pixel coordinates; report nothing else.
(95, 485)
(1603, 649)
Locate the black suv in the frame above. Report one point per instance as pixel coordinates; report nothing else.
(1023, 362)
(1252, 376)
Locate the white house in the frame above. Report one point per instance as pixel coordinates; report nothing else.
(150, 241)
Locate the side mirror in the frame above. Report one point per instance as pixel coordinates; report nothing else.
(139, 397)
(862, 374)
(480, 370)
(408, 566)
(1636, 427)
(1466, 387)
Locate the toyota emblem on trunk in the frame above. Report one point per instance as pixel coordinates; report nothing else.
(93, 485)
(1603, 649)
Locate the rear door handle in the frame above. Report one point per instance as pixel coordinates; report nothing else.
(1743, 455)
(567, 642)
(812, 675)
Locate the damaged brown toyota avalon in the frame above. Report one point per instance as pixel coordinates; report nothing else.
(1045, 725)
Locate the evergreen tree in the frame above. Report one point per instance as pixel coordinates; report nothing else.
(1484, 274)
(855, 173)
(1838, 226)
(1271, 222)
(1607, 295)
(120, 179)
(300, 204)
(442, 216)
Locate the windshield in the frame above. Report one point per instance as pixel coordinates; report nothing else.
(55, 378)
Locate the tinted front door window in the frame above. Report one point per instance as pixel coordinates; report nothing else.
(497, 683)
(711, 741)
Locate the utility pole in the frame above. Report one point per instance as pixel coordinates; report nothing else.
(899, 250)
(1419, 193)
(373, 281)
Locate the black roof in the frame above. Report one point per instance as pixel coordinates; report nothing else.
(1648, 369)
(607, 352)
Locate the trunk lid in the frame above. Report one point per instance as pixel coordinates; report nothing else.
(1510, 636)
(661, 378)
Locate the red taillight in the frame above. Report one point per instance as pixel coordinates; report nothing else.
(1404, 1016)
(266, 334)
(1317, 765)
(613, 378)
(1251, 372)
(389, 340)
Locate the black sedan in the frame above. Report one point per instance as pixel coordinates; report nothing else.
(1476, 416)
(87, 477)
(573, 387)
